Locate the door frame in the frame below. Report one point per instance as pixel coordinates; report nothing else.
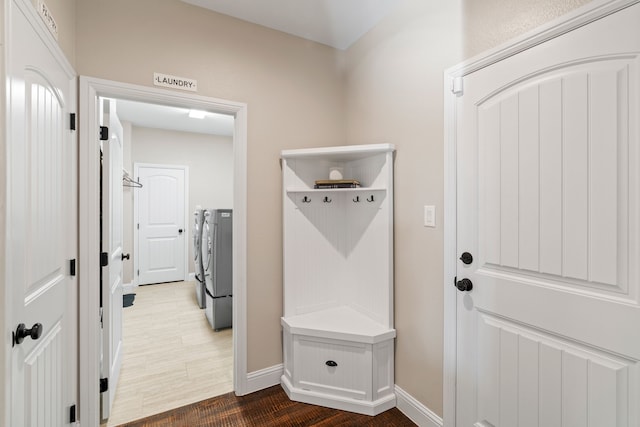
(454, 87)
(89, 267)
(136, 232)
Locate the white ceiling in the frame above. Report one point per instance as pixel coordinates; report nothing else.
(336, 23)
(173, 118)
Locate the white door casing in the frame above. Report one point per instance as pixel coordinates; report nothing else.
(41, 224)
(160, 212)
(547, 203)
(90, 89)
(112, 244)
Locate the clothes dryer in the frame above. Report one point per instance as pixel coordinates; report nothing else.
(217, 261)
(198, 219)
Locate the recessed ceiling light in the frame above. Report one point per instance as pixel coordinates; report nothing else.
(197, 114)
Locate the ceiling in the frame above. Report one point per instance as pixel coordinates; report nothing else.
(336, 23)
(173, 118)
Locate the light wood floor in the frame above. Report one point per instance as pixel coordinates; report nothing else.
(172, 357)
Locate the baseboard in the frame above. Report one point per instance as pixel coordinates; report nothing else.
(264, 378)
(192, 277)
(129, 288)
(416, 411)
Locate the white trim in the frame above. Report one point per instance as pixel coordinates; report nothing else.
(136, 231)
(416, 411)
(264, 378)
(590, 12)
(90, 88)
(191, 277)
(128, 288)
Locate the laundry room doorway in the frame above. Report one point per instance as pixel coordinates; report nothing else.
(90, 355)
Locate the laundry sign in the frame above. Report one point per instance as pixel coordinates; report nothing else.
(175, 82)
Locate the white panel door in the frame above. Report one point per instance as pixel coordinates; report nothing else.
(112, 244)
(40, 226)
(548, 206)
(162, 242)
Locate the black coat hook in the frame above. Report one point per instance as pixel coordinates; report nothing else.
(357, 199)
(305, 199)
(326, 199)
(370, 199)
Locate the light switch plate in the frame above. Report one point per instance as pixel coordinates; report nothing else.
(429, 216)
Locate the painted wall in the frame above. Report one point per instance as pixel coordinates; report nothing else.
(210, 162)
(293, 89)
(394, 94)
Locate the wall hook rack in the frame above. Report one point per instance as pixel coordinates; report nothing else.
(357, 199)
(326, 199)
(305, 199)
(370, 199)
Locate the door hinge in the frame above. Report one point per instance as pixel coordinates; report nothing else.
(72, 267)
(72, 414)
(104, 133)
(138, 226)
(104, 384)
(72, 121)
(457, 86)
(104, 259)
(138, 272)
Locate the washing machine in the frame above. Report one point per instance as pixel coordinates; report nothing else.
(217, 261)
(198, 219)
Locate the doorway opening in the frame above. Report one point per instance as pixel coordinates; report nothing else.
(91, 91)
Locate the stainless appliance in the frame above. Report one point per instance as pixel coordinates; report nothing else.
(217, 262)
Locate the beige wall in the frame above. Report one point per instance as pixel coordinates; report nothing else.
(293, 89)
(395, 94)
(210, 162)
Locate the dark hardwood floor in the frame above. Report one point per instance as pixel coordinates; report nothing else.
(267, 408)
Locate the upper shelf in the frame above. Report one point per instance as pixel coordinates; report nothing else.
(342, 153)
(346, 190)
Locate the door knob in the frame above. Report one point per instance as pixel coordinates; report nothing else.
(22, 332)
(179, 230)
(464, 285)
(127, 256)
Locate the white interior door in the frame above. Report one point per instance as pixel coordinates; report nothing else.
(548, 207)
(112, 244)
(40, 225)
(161, 206)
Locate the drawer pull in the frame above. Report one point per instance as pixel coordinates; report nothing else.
(331, 363)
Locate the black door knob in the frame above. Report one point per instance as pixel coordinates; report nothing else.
(331, 363)
(123, 256)
(22, 332)
(179, 230)
(464, 285)
(466, 258)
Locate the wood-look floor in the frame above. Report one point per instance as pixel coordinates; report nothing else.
(266, 408)
(171, 357)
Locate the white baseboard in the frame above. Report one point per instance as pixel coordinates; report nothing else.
(129, 288)
(416, 411)
(264, 378)
(192, 277)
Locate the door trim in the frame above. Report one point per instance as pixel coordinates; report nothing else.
(89, 173)
(592, 11)
(136, 248)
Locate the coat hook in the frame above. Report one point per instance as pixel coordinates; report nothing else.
(370, 199)
(306, 200)
(357, 199)
(326, 199)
